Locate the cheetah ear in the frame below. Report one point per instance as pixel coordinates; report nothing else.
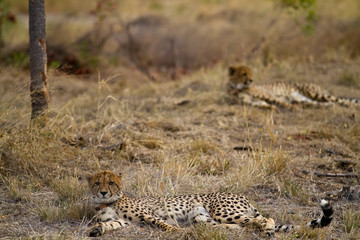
(232, 70)
(120, 175)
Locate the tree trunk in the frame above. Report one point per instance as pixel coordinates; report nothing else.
(38, 61)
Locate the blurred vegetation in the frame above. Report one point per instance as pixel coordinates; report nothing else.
(169, 39)
(308, 9)
(179, 134)
(6, 17)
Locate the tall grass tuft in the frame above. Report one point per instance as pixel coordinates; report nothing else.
(351, 223)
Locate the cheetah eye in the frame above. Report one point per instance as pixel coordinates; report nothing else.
(244, 74)
(111, 183)
(97, 183)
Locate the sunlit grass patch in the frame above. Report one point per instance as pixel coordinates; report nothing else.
(351, 223)
(165, 125)
(32, 152)
(203, 232)
(69, 188)
(346, 130)
(275, 162)
(305, 233)
(151, 143)
(293, 190)
(50, 212)
(80, 210)
(53, 211)
(17, 190)
(205, 158)
(349, 79)
(199, 147)
(208, 165)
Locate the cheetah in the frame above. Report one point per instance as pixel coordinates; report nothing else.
(274, 95)
(116, 209)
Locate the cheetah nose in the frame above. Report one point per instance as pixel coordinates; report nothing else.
(103, 193)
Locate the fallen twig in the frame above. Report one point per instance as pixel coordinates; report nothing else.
(346, 165)
(119, 146)
(322, 174)
(243, 149)
(345, 162)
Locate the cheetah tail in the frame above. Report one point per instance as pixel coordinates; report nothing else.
(326, 216)
(346, 101)
(323, 221)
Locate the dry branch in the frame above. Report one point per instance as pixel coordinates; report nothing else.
(322, 174)
(344, 162)
(243, 149)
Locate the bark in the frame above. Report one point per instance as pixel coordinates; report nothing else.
(38, 61)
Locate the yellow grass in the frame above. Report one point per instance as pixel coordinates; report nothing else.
(181, 136)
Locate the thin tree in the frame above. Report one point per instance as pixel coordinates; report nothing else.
(38, 61)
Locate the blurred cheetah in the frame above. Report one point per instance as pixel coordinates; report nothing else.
(116, 209)
(278, 94)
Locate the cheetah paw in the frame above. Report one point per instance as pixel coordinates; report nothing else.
(96, 231)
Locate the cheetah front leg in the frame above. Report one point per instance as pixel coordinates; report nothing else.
(254, 102)
(200, 215)
(266, 224)
(108, 220)
(101, 227)
(158, 223)
(262, 104)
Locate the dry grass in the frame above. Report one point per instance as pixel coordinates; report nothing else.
(202, 232)
(182, 136)
(172, 149)
(351, 223)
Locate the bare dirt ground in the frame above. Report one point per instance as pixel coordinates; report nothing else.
(183, 135)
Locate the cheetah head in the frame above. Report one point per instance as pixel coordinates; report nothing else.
(240, 77)
(105, 187)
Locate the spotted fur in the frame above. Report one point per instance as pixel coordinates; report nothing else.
(115, 209)
(285, 95)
